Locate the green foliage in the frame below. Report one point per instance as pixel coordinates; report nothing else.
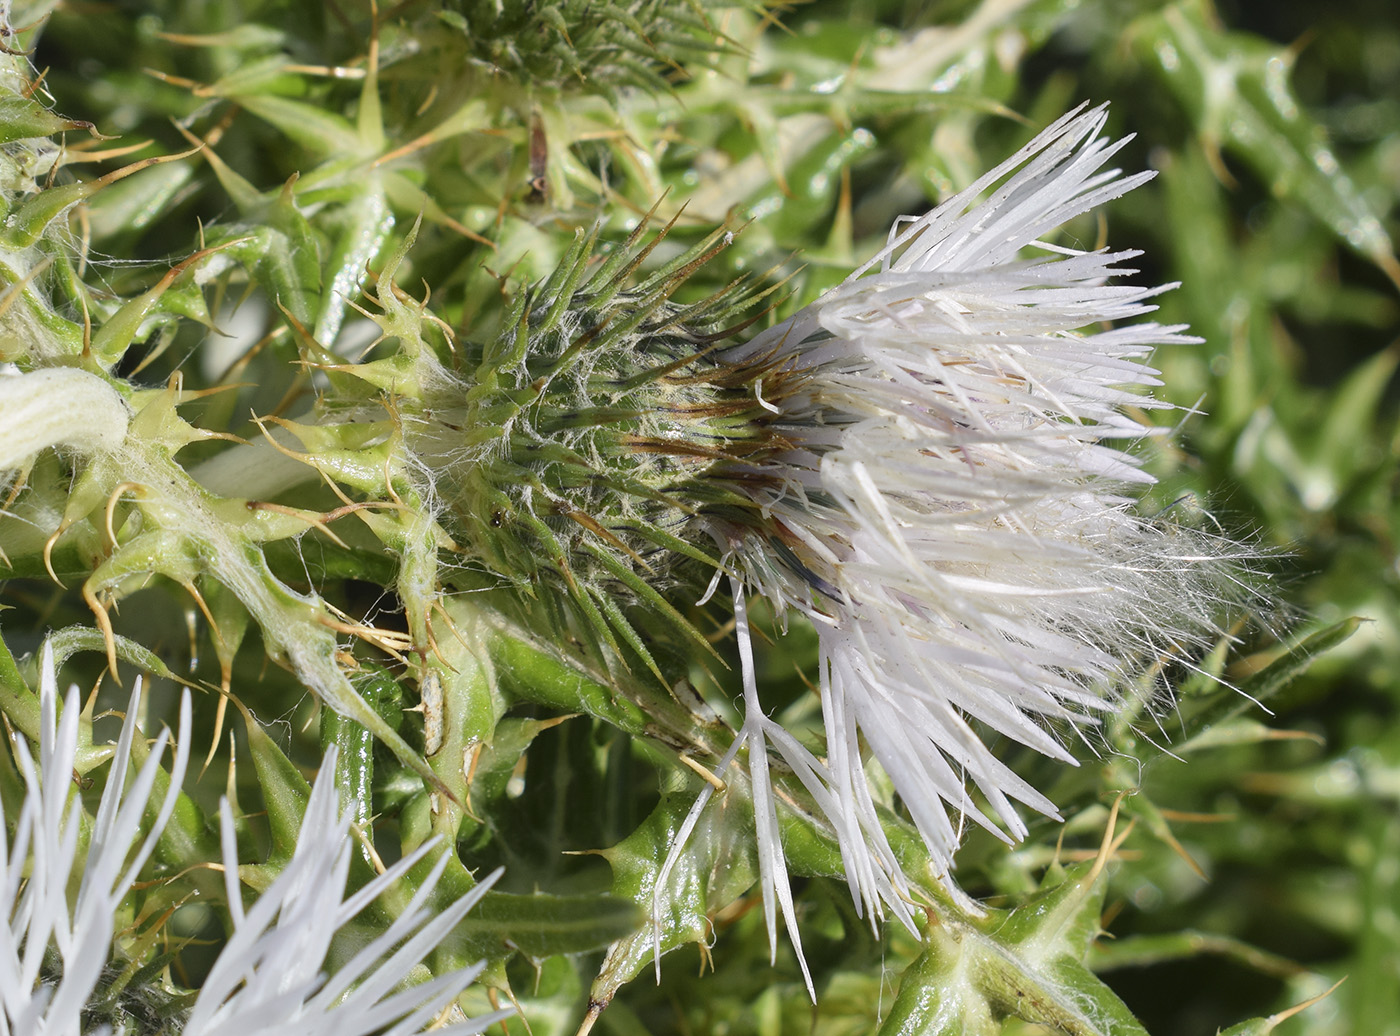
(384, 317)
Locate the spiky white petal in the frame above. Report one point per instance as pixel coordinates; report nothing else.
(268, 980)
(952, 514)
(36, 910)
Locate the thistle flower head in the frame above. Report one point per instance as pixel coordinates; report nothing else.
(55, 951)
(957, 523)
(927, 463)
(950, 510)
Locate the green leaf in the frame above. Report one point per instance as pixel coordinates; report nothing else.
(22, 118)
(354, 765)
(1235, 87)
(323, 133)
(358, 231)
(138, 202)
(68, 641)
(278, 246)
(1026, 963)
(502, 923)
(936, 996)
(188, 841)
(1263, 684)
(1264, 1026)
(1376, 974)
(542, 925)
(717, 866)
(1141, 950)
(1352, 414)
(535, 670)
(285, 791)
(18, 703)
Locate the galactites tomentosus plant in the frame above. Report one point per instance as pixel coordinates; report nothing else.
(923, 476)
(442, 374)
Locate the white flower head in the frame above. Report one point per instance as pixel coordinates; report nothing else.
(268, 979)
(36, 909)
(951, 514)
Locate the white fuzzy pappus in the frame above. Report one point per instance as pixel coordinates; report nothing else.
(954, 516)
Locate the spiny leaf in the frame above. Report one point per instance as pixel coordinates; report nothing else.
(1262, 685)
(1236, 88)
(717, 866)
